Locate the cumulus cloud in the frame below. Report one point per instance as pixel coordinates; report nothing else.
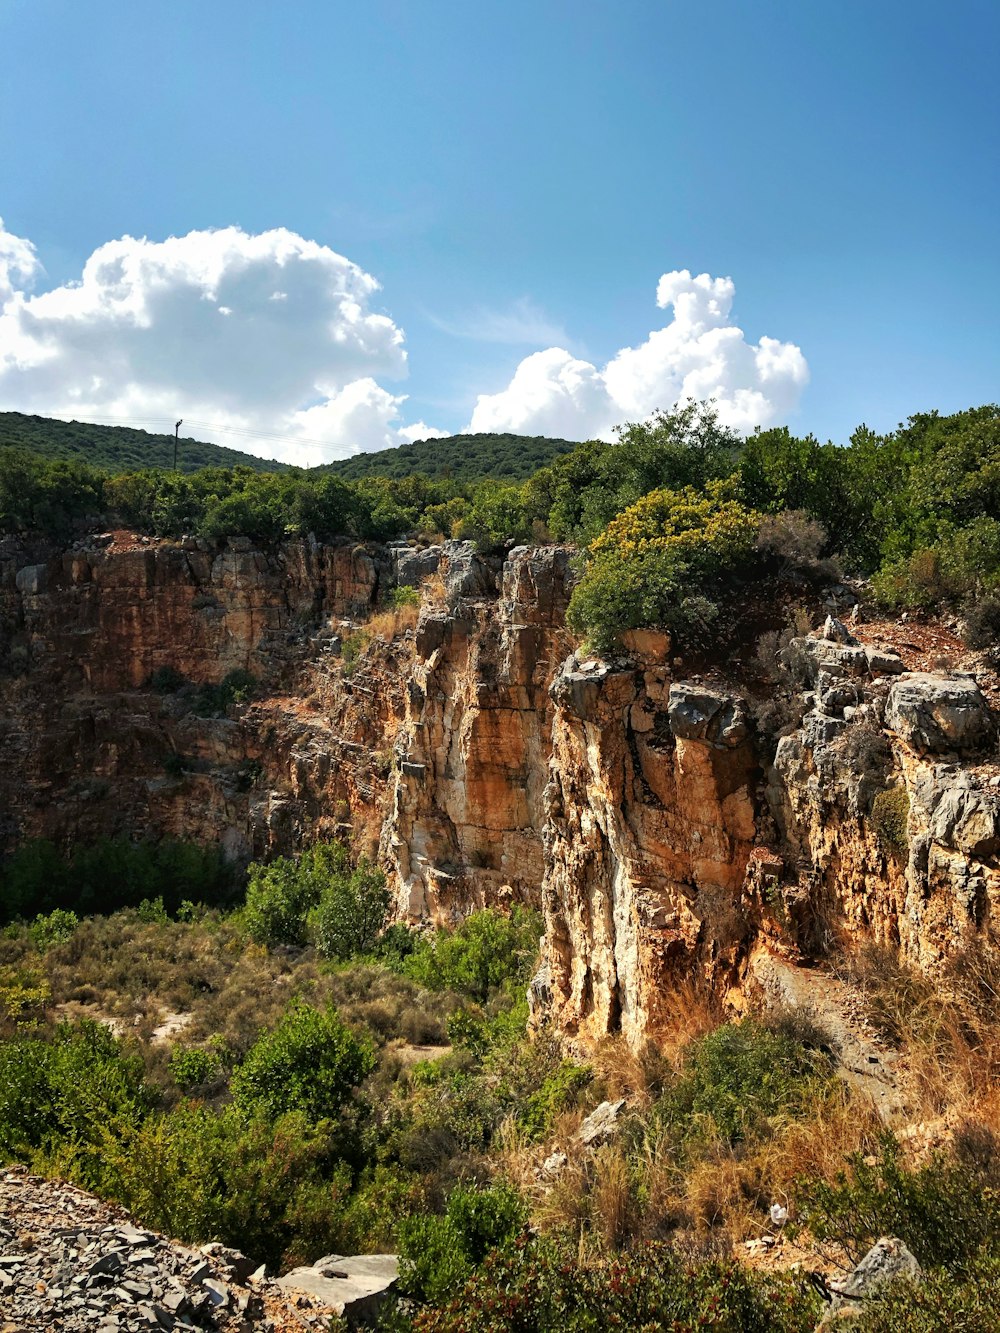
(267, 334)
(699, 354)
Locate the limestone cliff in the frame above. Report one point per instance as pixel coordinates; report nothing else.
(667, 842)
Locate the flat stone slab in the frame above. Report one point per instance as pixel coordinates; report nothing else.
(352, 1285)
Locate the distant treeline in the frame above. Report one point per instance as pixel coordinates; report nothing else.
(128, 449)
(670, 514)
(119, 448)
(458, 457)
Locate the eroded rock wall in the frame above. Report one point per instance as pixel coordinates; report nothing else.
(488, 761)
(465, 827)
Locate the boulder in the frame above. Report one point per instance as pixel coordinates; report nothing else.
(466, 573)
(411, 564)
(811, 656)
(697, 713)
(887, 1259)
(936, 714)
(601, 1124)
(354, 1286)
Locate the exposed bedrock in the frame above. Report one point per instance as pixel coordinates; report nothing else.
(490, 760)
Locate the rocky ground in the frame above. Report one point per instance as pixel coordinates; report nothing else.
(72, 1264)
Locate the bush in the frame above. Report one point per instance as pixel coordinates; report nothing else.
(982, 621)
(67, 1090)
(192, 1066)
(351, 913)
(889, 815)
(166, 680)
(947, 1211)
(237, 687)
(55, 928)
(663, 563)
(740, 1079)
(537, 1286)
(437, 1254)
(282, 893)
(404, 596)
(486, 952)
(272, 1188)
(311, 1063)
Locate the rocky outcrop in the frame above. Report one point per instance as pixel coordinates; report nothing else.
(89, 750)
(935, 715)
(490, 762)
(465, 824)
(650, 823)
(104, 619)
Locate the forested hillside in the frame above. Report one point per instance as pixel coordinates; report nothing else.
(127, 449)
(460, 457)
(119, 448)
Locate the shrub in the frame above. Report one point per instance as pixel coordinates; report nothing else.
(237, 687)
(437, 1254)
(404, 596)
(947, 1211)
(741, 1078)
(311, 1062)
(889, 814)
(982, 621)
(538, 1286)
(487, 951)
(270, 1187)
(67, 1090)
(282, 893)
(662, 563)
(351, 650)
(54, 928)
(351, 913)
(192, 1066)
(166, 680)
(793, 537)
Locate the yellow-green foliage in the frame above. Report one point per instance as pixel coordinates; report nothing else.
(663, 562)
(890, 810)
(686, 523)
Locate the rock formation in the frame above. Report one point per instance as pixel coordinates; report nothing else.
(666, 841)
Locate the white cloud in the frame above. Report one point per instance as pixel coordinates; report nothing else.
(699, 354)
(139, 336)
(19, 264)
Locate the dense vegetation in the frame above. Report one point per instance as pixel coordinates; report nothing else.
(677, 518)
(292, 1116)
(458, 457)
(118, 448)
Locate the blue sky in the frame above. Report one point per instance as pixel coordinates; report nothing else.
(517, 177)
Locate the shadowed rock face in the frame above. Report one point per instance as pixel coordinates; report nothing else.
(491, 763)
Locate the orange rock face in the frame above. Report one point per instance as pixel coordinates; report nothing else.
(487, 762)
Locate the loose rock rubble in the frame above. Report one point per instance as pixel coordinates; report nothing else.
(71, 1263)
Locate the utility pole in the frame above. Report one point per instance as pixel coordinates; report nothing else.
(177, 427)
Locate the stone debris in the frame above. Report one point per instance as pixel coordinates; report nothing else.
(72, 1263)
(601, 1124)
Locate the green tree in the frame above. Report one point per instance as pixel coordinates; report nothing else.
(311, 1063)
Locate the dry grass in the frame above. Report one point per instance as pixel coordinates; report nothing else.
(392, 623)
